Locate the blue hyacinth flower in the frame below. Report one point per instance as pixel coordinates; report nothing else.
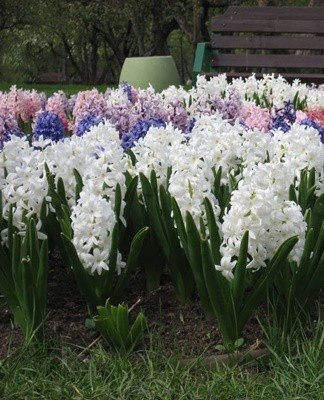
(140, 130)
(87, 123)
(49, 126)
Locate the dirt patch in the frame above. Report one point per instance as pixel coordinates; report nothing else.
(174, 327)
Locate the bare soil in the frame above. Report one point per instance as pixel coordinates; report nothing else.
(174, 327)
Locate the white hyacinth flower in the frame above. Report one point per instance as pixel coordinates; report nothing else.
(93, 221)
(261, 206)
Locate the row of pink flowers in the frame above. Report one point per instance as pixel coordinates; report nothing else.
(125, 107)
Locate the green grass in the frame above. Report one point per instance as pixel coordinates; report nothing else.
(51, 88)
(294, 371)
(60, 374)
(298, 363)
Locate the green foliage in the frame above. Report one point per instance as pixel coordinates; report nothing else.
(151, 259)
(223, 191)
(298, 103)
(95, 288)
(227, 300)
(23, 276)
(296, 287)
(113, 324)
(263, 101)
(158, 207)
(182, 51)
(89, 41)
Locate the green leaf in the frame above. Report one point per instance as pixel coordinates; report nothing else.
(136, 332)
(177, 260)
(42, 275)
(195, 259)
(138, 212)
(65, 221)
(313, 285)
(79, 184)
(218, 289)
(180, 226)
(118, 200)
(113, 324)
(318, 250)
(292, 194)
(31, 239)
(318, 214)
(304, 265)
(239, 343)
(11, 230)
(61, 192)
(82, 277)
(108, 330)
(113, 253)
(238, 283)
(28, 296)
(265, 279)
(214, 236)
(15, 262)
(153, 181)
(154, 213)
(132, 259)
(7, 288)
(122, 322)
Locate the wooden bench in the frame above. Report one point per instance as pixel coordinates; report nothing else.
(51, 77)
(286, 41)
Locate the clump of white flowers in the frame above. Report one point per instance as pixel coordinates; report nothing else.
(93, 220)
(189, 184)
(261, 206)
(218, 143)
(92, 155)
(156, 152)
(24, 185)
(214, 143)
(300, 148)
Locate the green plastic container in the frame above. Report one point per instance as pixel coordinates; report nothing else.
(159, 71)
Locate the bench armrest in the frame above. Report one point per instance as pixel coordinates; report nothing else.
(202, 62)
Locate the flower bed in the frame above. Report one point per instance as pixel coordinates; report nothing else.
(223, 184)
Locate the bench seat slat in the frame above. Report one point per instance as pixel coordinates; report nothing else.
(274, 26)
(268, 60)
(271, 12)
(268, 42)
(302, 76)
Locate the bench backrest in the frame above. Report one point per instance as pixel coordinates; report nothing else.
(285, 40)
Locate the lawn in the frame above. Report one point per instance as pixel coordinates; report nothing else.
(293, 371)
